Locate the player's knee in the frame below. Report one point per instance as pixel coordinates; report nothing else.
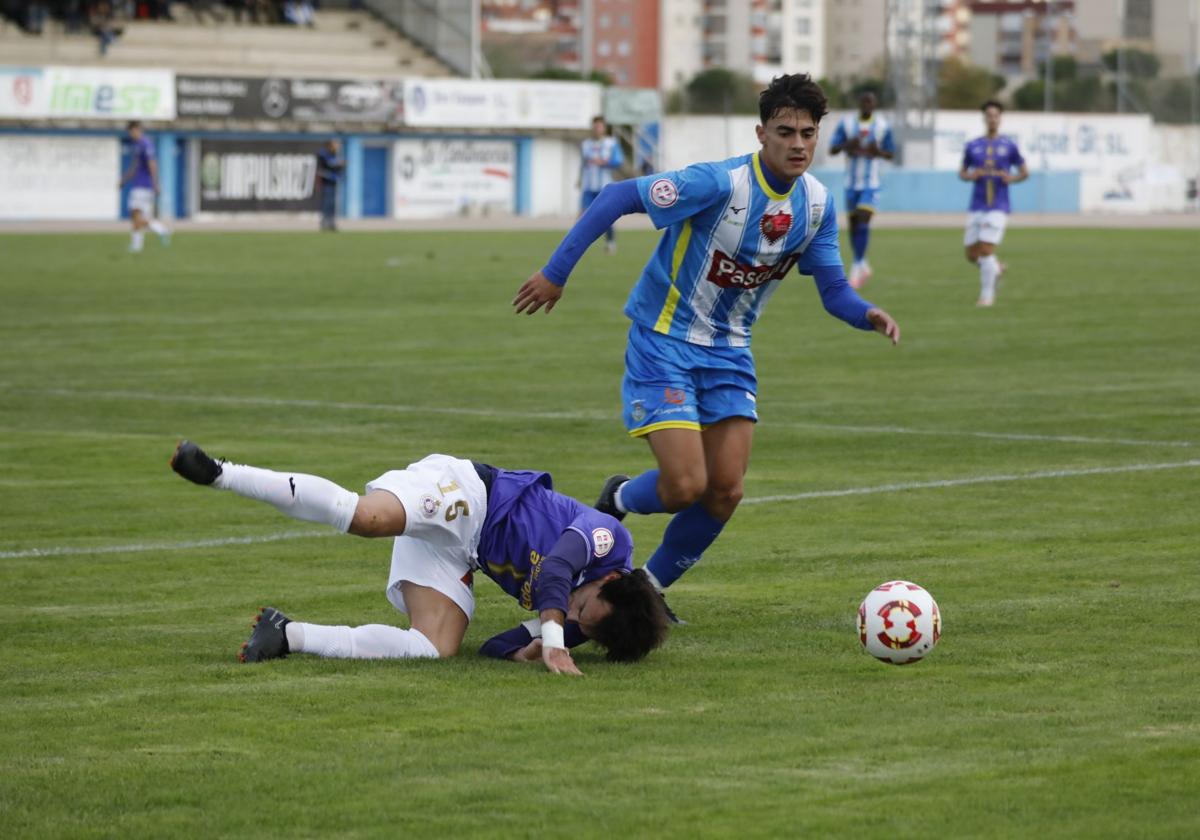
(723, 498)
(680, 490)
(374, 520)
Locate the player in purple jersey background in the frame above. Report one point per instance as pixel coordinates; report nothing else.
(142, 176)
(991, 163)
(449, 518)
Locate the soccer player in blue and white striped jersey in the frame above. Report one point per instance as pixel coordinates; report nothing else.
(733, 230)
(866, 138)
(600, 157)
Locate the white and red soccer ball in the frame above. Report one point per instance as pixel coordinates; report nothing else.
(899, 622)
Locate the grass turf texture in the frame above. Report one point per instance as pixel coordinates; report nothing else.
(1061, 701)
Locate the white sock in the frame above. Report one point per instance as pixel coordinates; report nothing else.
(158, 227)
(371, 641)
(617, 503)
(989, 267)
(307, 497)
(135, 240)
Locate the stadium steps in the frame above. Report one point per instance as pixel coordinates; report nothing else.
(342, 44)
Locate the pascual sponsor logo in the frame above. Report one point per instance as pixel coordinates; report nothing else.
(728, 273)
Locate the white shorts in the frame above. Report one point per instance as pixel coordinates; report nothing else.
(445, 503)
(985, 226)
(141, 198)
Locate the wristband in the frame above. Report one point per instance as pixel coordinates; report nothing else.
(552, 635)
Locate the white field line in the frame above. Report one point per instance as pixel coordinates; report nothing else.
(790, 497)
(962, 482)
(397, 408)
(67, 551)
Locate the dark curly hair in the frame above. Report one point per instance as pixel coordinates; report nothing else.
(638, 621)
(797, 90)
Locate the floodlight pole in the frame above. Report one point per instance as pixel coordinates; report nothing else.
(1121, 57)
(1048, 92)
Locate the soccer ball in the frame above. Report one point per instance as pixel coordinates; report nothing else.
(899, 622)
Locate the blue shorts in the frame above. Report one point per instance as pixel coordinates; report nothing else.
(672, 384)
(586, 198)
(861, 199)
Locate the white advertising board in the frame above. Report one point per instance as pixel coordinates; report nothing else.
(1111, 152)
(439, 177)
(45, 177)
(465, 103)
(97, 93)
(22, 92)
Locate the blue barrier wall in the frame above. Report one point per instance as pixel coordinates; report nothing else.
(929, 191)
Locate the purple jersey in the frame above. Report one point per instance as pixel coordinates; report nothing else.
(992, 155)
(526, 519)
(143, 154)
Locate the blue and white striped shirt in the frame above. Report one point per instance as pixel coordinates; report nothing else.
(730, 238)
(862, 173)
(594, 177)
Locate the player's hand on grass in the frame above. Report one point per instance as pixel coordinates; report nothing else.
(559, 661)
(535, 293)
(532, 652)
(883, 324)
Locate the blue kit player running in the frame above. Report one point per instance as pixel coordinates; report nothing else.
(599, 158)
(450, 518)
(989, 162)
(142, 175)
(866, 138)
(733, 230)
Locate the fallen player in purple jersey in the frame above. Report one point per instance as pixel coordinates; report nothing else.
(450, 518)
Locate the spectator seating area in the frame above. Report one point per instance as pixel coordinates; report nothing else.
(257, 37)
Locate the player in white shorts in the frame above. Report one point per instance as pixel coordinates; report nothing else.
(143, 175)
(450, 518)
(991, 163)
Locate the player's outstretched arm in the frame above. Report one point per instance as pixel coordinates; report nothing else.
(613, 202)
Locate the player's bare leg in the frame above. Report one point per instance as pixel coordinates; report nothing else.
(682, 466)
(727, 448)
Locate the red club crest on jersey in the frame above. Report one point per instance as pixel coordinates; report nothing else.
(776, 225)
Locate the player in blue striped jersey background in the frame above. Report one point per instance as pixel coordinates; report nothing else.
(733, 230)
(866, 138)
(600, 157)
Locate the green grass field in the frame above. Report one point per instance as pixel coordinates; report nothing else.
(1035, 466)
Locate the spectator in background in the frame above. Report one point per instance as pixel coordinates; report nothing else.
(298, 13)
(35, 17)
(202, 7)
(72, 14)
(329, 172)
(100, 19)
